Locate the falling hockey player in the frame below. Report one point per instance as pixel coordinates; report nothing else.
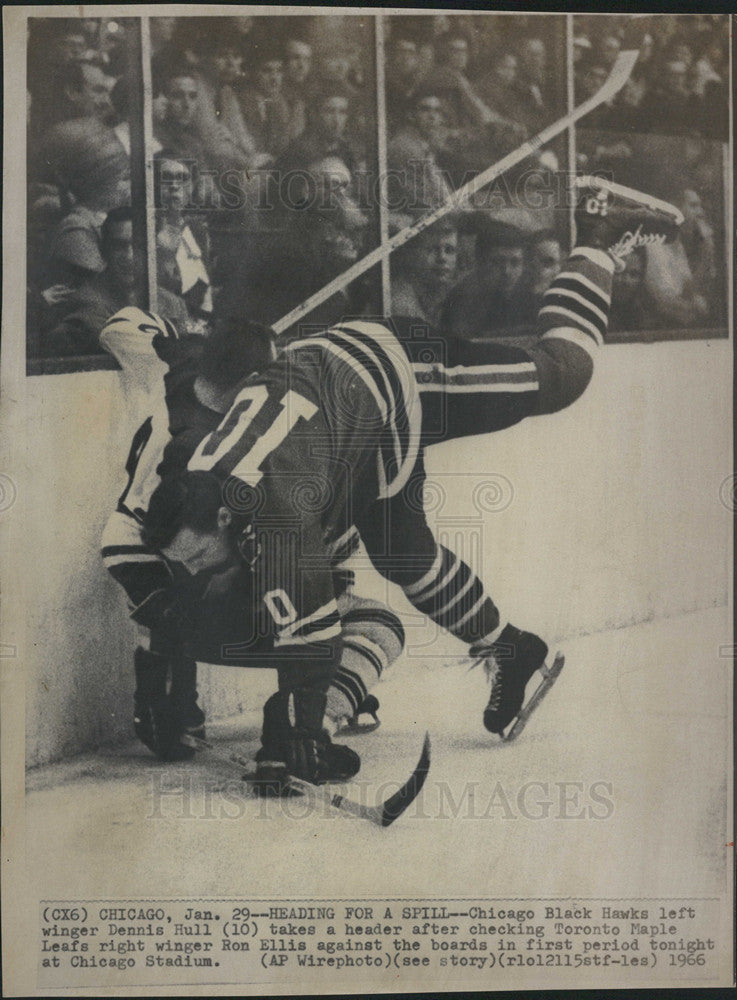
(330, 437)
(184, 618)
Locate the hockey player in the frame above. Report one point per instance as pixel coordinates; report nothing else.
(330, 437)
(184, 618)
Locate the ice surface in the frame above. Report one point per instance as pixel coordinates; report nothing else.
(635, 732)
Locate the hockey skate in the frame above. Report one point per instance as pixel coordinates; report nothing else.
(160, 728)
(353, 725)
(510, 663)
(162, 717)
(619, 219)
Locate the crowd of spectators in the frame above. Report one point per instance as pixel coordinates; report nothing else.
(265, 146)
(679, 85)
(262, 128)
(461, 92)
(78, 175)
(474, 276)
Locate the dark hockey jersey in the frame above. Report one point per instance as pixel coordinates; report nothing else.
(336, 422)
(339, 420)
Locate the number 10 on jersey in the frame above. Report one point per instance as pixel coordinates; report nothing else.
(249, 402)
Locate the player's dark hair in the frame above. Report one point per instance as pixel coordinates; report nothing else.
(236, 348)
(182, 500)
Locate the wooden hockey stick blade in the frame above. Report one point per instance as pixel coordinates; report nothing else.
(550, 676)
(381, 815)
(396, 804)
(617, 78)
(392, 808)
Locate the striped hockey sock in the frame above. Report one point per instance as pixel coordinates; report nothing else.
(373, 638)
(452, 595)
(576, 306)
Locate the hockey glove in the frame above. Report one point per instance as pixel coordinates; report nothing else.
(294, 743)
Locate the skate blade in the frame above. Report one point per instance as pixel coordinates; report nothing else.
(550, 676)
(356, 728)
(671, 212)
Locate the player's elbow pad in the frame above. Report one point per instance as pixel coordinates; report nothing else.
(139, 571)
(564, 370)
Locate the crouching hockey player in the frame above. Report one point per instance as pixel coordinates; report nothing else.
(189, 384)
(330, 437)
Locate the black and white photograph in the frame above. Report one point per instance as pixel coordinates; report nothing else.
(366, 500)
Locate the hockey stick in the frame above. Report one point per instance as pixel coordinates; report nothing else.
(612, 85)
(382, 815)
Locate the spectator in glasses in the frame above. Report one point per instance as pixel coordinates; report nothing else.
(182, 240)
(319, 235)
